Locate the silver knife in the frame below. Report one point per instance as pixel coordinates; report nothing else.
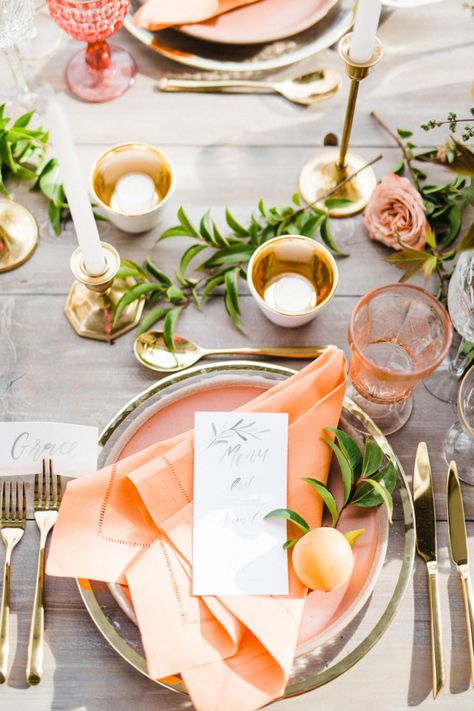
(426, 547)
(459, 551)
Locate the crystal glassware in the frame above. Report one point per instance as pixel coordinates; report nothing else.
(459, 441)
(16, 22)
(398, 334)
(44, 37)
(444, 384)
(103, 71)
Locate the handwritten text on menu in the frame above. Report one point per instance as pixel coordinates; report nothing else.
(240, 474)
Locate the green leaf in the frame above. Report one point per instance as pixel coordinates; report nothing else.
(345, 467)
(49, 185)
(290, 544)
(296, 199)
(399, 168)
(159, 275)
(132, 294)
(171, 319)
(326, 496)
(188, 256)
(332, 203)
(467, 241)
(187, 224)
(383, 493)
(366, 497)
(350, 450)
(129, 268)
(151, 318)
(290, 516)
(235, 254)
(24, 120)
(54, 214)
(176, 231)
(212, 284)
(329, 241)
(175, 294)
(234, 225)
(311, 224)
(404, 134)
(372, 458)
(231, 299)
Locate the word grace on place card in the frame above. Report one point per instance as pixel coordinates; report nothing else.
(240, 474)
(23, 446)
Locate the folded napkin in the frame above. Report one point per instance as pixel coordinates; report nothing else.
(132, 522)
(158, 14)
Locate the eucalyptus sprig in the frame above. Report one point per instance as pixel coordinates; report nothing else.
(444, 204)
(23, 157)
(227, 252)
(367, 481)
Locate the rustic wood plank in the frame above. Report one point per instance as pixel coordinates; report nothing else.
(229, 149)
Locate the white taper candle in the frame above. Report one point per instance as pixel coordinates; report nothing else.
(365, 30)
(75, 188)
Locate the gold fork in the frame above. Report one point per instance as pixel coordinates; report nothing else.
(12, 525)
(46, 514)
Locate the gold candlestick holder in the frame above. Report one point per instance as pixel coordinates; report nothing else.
(332, 165)
(91, 301)
(18, 235)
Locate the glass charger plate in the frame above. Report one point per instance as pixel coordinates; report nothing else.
(246, 58)
(351, 634)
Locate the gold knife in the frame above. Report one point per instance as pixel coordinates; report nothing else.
(426, 546)
(459, 551)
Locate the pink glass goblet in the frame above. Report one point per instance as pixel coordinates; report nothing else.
(103, 71)
(398, 335)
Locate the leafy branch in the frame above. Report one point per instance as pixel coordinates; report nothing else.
(23, 157)
(227, 252)
(444, 206)
(366, 481)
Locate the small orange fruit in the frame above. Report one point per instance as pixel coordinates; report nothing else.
(323, 558)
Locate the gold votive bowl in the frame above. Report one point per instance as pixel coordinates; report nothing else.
(130, 183)
(292, 278)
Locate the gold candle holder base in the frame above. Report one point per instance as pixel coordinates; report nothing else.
(321, 174)
(331, 166)
(91, 301)
(18, 235)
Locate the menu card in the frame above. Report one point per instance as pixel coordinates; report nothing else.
(23, 445)
(240, 475)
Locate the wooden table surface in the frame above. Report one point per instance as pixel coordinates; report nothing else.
(228, 150)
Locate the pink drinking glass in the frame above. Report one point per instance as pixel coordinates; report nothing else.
(398, 334)
(103, 71)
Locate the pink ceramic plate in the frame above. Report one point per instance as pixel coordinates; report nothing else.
(263, 21)
(325, 614)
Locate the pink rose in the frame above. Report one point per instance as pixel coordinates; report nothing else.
(396, 212)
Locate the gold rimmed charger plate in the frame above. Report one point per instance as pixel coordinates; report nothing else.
(318, 665)
(246, 58)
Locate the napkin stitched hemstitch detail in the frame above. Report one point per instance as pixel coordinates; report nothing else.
(103, 511)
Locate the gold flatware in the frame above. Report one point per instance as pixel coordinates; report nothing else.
(303, 90)
(426, 546)
(46, 502)
(459, 551)
(12, 525)
(150, 350)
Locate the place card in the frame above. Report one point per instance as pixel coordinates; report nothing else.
(240, 475)
(23, 445)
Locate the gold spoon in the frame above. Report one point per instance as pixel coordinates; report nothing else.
(151, 350)
(304, 89)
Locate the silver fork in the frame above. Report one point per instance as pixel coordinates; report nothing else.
(46, 501)
(12, 524)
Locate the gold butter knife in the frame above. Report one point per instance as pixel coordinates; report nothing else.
(426, 546)
(459, 551)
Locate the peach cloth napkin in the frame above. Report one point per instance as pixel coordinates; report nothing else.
(132, 522)
(158, 14)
